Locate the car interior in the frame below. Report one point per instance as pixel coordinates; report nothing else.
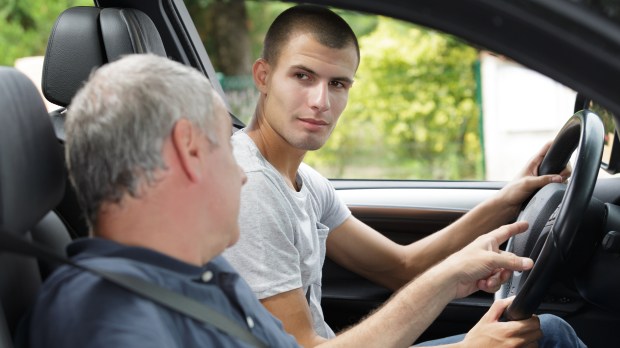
(37, 202)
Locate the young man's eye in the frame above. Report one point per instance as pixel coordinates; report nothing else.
(337, 84)
(302, 76)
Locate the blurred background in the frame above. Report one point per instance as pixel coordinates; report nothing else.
(424, 105)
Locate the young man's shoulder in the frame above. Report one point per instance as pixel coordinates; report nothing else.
(247, 153)
(308, 173)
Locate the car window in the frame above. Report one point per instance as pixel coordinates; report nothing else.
(424, 106)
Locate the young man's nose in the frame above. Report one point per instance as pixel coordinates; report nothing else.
(319, 97)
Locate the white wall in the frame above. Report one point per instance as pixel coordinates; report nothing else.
(33, 68)
(522, 110)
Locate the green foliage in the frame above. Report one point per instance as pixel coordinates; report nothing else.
(412, 111)
(362, 24)
(26, 25)
(261, 14)
(411, 114)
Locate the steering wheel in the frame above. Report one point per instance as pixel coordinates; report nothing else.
(554, 213)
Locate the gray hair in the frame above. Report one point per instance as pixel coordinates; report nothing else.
(117, 124)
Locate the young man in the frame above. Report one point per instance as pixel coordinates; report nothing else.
(148, 150)
(291, 217)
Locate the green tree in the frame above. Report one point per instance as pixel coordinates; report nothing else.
(412, 110)
(223, 28)
(26, 25)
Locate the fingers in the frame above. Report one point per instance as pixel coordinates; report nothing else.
(496, 310)
(503, 233)
(528, 181)
(517, 191)
(507, 260)
(532, 167)
(499, 264)
(566, 173)
(495, 281)
(482, 266)
(533, 183)
(529, 331)
(504, 275)
(489, 332)
(512, 262)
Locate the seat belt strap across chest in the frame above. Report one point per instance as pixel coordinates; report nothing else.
(165, 297)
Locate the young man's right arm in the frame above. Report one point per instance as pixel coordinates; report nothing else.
(292, 309)
(402, 320)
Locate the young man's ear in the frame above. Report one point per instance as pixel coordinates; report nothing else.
(260, 72)
(186, 143)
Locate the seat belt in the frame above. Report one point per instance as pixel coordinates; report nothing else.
(165, 297)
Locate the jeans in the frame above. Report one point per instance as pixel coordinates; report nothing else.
(556, 334)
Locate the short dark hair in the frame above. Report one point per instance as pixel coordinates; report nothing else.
(325, 26)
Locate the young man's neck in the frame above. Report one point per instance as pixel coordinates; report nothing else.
(285, 158)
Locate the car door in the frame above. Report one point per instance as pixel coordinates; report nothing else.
(404, 211)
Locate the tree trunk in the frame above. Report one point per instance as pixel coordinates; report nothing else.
(223, 27)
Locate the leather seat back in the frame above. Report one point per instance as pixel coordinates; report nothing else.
(83, 39)
(32, 179)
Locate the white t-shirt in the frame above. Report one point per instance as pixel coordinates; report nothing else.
(283, 232)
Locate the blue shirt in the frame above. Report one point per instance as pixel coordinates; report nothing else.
(76, 308)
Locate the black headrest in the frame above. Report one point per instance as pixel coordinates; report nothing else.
(128, 31)
(32, 169)
(85, 38)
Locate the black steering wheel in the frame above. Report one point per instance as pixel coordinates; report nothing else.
(554, 213)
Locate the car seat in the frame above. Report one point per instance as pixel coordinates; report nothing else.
(32, 179)
(84, 38)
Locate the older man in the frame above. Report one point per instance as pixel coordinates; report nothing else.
(149, 154)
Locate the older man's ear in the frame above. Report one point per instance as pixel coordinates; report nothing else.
(186, 142)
